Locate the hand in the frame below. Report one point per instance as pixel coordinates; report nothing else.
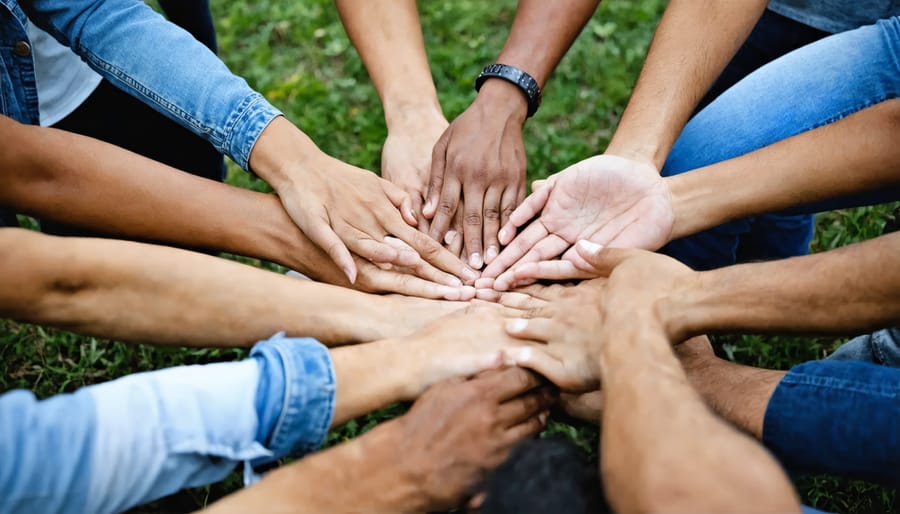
(344, 209)
(643, 288)
(406, 156)
(571, 328)
(584, 406)
(459, 430)
(463, 344)
(605, 199)
(481, 159)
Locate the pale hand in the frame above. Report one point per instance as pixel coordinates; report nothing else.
(605, 199)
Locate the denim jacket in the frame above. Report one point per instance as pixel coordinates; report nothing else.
(138, 51)
(111, 446)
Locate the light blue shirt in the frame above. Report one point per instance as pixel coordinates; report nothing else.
(138, 51)
(110, 447)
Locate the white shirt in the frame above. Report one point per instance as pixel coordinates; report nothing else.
(64, 81)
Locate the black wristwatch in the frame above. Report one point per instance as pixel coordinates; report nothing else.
(526, 83)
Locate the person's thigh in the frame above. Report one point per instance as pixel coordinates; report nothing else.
(810, 87)
(840, 418)
(881, 347)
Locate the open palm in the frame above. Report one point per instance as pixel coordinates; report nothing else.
(609, 200)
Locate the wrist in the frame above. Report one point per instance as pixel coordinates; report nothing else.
(503, 99)
(684, 312)
(280, 151)
(406, 115)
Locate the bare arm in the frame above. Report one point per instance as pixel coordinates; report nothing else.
(850, 289)
(388, 37)
(76, 179)
(693, 43)
(427, 460)
(809, 167)
(146, 293)
(479, 163)
(662, 450)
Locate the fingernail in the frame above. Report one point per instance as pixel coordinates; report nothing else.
(449, 237)
(502, 235)
(470, 275)
(491, 254)
(350, 273)
(589, 246)
(428, 205)
(517, 325)
(452, 281)
(543, 417)
(475, 261)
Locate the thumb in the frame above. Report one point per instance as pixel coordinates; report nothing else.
(599, 259)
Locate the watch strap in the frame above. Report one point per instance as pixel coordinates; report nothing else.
(520, 78)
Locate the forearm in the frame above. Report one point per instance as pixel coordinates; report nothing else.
(804, 169)
(662, 450)
(691, 46)
(847, 290)
(388, 37)
(79, 180)
(541, 34)
(123, 443)
(102, 287)
(121, 40)
(363, 470)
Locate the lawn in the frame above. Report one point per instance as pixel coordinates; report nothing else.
(296, 53)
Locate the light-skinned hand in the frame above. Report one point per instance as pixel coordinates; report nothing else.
(608, 200)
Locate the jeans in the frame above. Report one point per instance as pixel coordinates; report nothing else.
(138, 51)
(837, 417)
(112, 446)
(882, 347)
(813, 86)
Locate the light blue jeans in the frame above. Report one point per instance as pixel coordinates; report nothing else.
(109, 447)
(813, 86)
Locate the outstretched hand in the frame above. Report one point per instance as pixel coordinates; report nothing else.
(605, 199)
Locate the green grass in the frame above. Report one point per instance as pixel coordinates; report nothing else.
(297, 54)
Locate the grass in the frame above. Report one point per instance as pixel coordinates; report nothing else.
(297, 54)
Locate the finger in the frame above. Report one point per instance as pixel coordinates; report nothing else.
(546, 249)
(600, 259)
(457, 243)
(518, 410)
(492, 213)
(540, 361)
(436, 180)
(517, 300)
(527, 210)
(433, 253)
(473, 225)
(401, 200)
(586, 406)
(510, 255)
(448, 203)
(535, 329)
(528, 428)
(508, 382)
(423, 269)
(538, 184)
(548, 270)
(325, 238)
(487, 294)
(394, 281)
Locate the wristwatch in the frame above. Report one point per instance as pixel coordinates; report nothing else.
(524, 81)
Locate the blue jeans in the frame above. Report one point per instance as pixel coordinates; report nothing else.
(882, 347)
(109, 447)
(805, 89)
(837, 417)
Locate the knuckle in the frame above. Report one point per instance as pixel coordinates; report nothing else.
(491, 214)
(472, 218)
(446, 208)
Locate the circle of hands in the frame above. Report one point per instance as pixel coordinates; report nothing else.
(449, 230)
